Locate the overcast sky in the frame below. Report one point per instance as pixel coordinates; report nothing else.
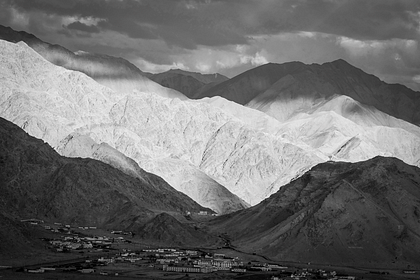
(231, 36)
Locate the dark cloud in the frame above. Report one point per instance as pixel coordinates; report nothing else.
(215, 23)
(77, 25)
(203, 34)
(5, 12)
(177, 22)
(130, 28)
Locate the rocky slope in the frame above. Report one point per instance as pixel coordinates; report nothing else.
(113, 72)
(342, 139)
(145, 127)
(188, 179)
(365, 213)
(247, 162)
(197, 184)
(39, 183)
(339, 127)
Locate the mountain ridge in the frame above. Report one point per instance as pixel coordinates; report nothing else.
(337, 77)
(189, 83)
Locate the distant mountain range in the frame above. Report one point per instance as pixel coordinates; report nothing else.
(267, 86)
(190, 84)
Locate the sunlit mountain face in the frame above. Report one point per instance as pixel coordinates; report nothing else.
(305, 163)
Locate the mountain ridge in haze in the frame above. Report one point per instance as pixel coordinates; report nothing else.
(204, 78)
(114, 72)
(189, 83)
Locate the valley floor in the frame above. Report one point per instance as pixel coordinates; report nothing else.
(128, 258)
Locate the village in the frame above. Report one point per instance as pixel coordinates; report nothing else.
(116, 253)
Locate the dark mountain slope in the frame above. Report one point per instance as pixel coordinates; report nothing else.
(345, 79)
(36, 182)
(189, 83)
(182, 83)
(166, 230)
(246, 86)
(267, 84)
(365, 213)
(17, 240)
(203, 78)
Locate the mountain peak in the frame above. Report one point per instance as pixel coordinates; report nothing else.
(340, 61)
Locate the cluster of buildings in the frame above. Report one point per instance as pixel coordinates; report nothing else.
(306, 273)
(192, 261)
(77, 243)
(124, 256)
(74, 241)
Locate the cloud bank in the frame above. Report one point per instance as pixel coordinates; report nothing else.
(231, 36)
